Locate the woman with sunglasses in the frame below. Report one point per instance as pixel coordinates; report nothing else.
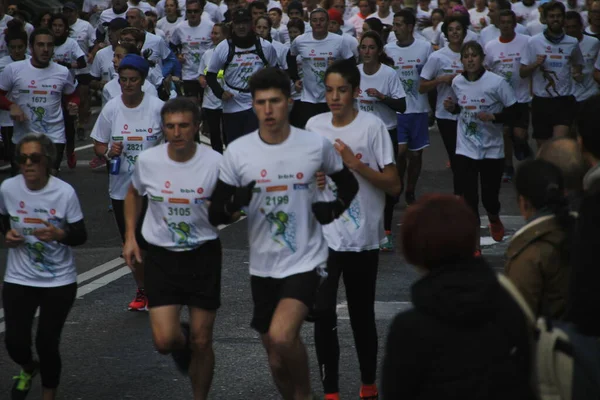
(41, 220)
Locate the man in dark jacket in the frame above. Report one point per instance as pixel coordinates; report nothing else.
(584, 304)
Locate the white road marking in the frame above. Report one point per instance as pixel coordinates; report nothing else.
(384, 310)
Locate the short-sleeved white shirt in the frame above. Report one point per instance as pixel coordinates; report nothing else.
(112, 89)
(553, 78)
(177, 215)
(243, 65)
(85, 36)
(194, 41)
(491, 32)
(442, 62)
(285, 238)
(5, 119)
(504, 59)
(168, 27)
(589, 47)
(138, 128)
(38, 91)
(360, 227)
(316, 56)
(210, 101)
(102, 67)
(37, 263)
(490, 93)
(68, 52)
(408, 63)
(386, 82)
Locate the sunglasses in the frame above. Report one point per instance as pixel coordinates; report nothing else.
(35, 158)
(193, 11)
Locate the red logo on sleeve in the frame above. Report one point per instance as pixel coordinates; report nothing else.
(167, 184)
(22, 204)
(263, 173)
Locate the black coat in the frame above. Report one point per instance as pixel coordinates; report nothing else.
(583, 305)
(465, 339)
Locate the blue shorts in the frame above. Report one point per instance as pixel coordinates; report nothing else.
(413, 129)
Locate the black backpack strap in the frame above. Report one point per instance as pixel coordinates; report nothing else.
(260, 53)
(230, 54)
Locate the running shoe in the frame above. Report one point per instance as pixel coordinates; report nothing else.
(497, 230)
(72, 160)
(140, 302)
(183, 357)
(507, 176)
(332, 396)
(369, 392)
(22, 384)
(477, 253)
(97, 162)
(410, 198)
(80, 134)
(389, 244)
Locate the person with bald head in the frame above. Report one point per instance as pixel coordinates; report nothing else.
(565, 153)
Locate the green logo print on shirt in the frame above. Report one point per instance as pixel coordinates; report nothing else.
(283, 228)
(180, 233)
(37, 116)
(36, 256)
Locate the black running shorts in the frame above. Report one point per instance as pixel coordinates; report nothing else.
(267, 292)
(188, 278)
(548, 112)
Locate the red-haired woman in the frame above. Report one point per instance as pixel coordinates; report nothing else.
(465, 336)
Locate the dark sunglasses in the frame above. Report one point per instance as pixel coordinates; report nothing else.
(193, 11)
(35, 158)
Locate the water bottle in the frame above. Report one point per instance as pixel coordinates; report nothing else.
(115, 165)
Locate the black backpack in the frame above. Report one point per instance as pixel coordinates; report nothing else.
(258, 50)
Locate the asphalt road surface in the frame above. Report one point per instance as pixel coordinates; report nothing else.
(107, 351)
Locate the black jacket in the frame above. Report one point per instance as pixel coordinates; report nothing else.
(583, 305)
(465, 339)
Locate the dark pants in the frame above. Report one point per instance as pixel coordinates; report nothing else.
(489, 173)
(213, 120)
(390, 201)
(20, 304)
(70, 130)
(238, 124)
(302, 112)
(448, 131)
(359, 271)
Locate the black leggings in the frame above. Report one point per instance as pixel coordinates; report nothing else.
(448, 132)
(489, 173)
(213, 119)
(359, 271)
(20, 304)
(70, 130)
(391, 201)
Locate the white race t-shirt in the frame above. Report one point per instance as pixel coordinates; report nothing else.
(387, 83)
(210, 101)
(504, 59)
(85, 36)
(107, 16)
(442, 62)
(37, 263)
(5, 119)
(168, 27)
(589, 47)
(476, 16)
(243, 65)
(360, 227)
(490, 93)
(490, 33)
(112, 89)
(316, 56)
(408, 63)
(142, 5)
(527, 13)
(177, 215)
(281, 50)
(39, 92)
(194, 42)
(68, 52)
(285, 237)
(553, 78)
(137, 128)
(102, 67)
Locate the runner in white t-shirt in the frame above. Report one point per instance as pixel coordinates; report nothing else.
(412, 133)
(553, 60)
(41, 221)
(526, 11)
(263, 28)
(183, 258)
(171, 19)
(503, 57)
(362, 140)
(190, 40)
(479, 15)
(126, 126)
(39, 88)
(492, 31)
(318, 50)
(437, 74)
(273, 171)
(484, 102)
(16, 42)
(239, 57)
(212, 107)
(118, 10)
(589, 47)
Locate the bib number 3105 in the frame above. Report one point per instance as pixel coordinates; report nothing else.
(180, 211)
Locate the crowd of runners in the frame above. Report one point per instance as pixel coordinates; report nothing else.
(318, 117)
